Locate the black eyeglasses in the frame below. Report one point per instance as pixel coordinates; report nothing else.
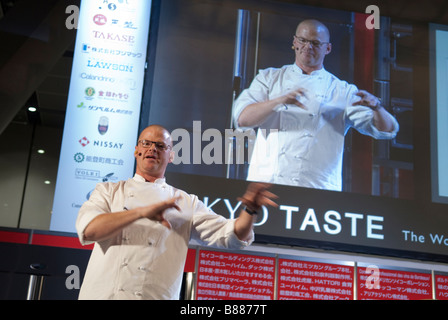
(159, 145)
(314, 43)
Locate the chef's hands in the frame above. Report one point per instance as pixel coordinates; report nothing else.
(294, 97)
(257, 195)
(256, 113)
(156, 212)
(382, 119)
(367, 100)
(254, 198)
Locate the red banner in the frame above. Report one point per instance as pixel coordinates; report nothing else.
(230, 276)
(375, 283)
(307, 280)
(441, 287)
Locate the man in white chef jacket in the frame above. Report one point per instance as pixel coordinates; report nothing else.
(302, 113)
(141, 227)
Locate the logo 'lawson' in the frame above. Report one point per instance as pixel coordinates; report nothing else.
(92, 63)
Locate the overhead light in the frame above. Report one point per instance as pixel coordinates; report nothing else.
(47, 182)
(32, 109)
(41, 151)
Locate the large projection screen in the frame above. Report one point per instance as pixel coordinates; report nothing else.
(439, 112)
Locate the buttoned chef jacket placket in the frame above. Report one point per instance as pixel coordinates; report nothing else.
(140, 242)
(298, 127)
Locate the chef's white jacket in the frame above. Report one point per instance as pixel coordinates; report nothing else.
(301, 147)
(146, 259)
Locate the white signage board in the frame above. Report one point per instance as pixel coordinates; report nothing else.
(104, 100)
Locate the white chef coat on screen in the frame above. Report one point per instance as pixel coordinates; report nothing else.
(305, 147)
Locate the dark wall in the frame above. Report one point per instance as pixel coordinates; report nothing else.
(50, 262)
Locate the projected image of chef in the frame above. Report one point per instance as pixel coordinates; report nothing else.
(302, 113)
